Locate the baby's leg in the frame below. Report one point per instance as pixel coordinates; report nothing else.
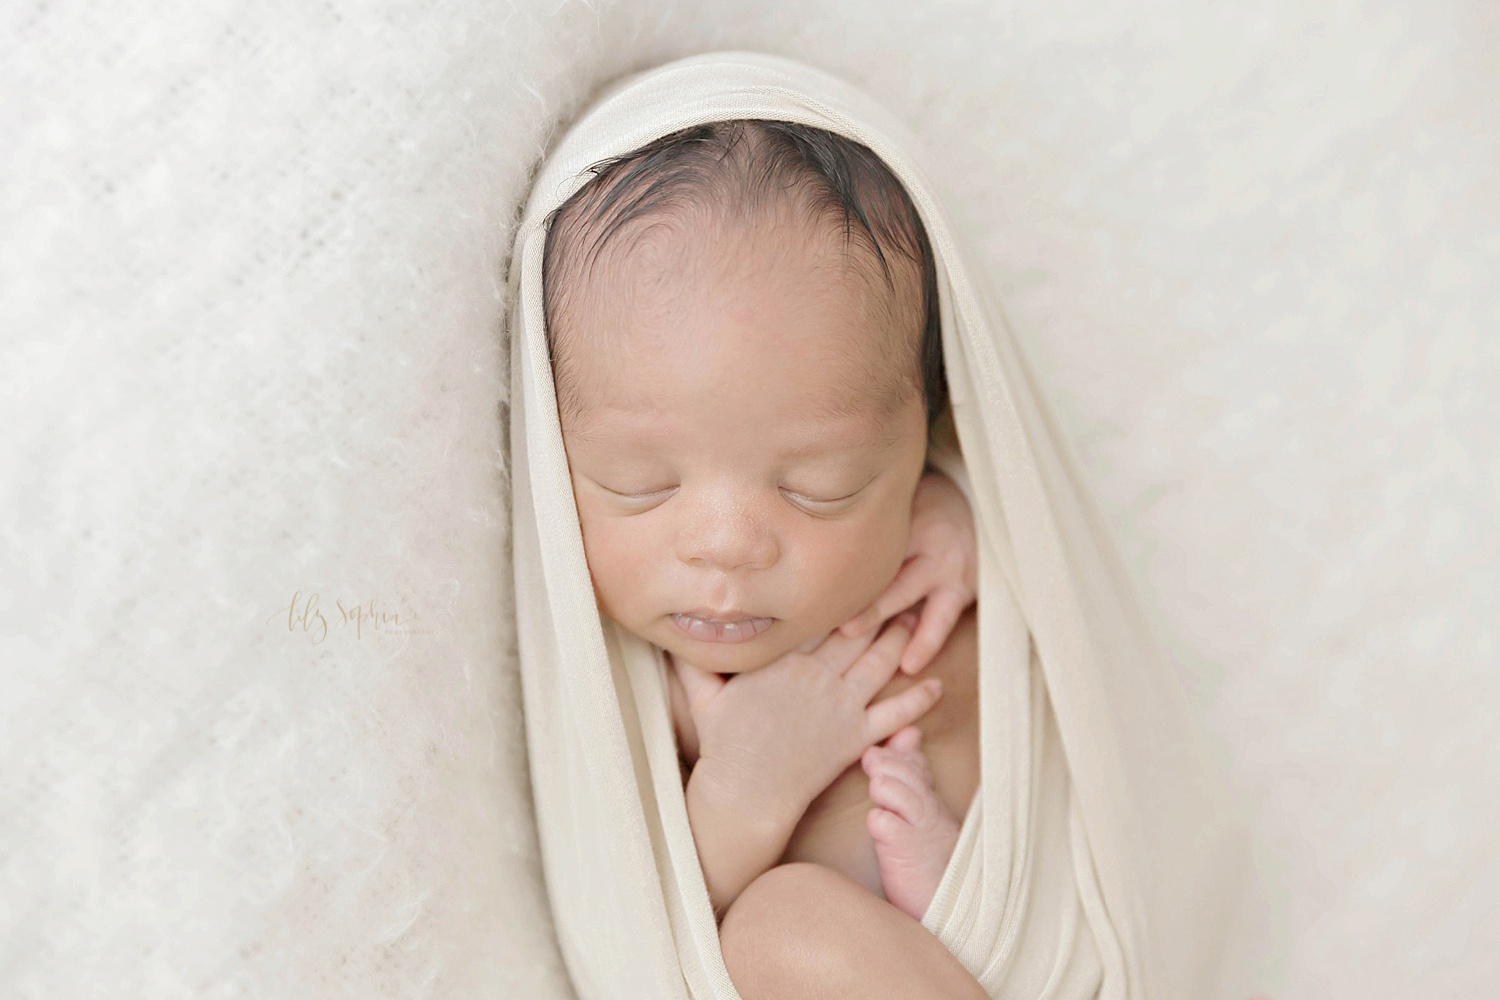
(805, 932)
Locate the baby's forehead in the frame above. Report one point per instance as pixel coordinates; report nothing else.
(852, 396)
(668, 335)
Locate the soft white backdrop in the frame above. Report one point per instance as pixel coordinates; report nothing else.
(251, 261)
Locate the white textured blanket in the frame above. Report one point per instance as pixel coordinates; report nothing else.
(250, 270)
(1100, 850)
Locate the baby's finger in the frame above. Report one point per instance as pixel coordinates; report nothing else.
(839, 650)
(870, 672)
(908, 587)
(939, 614)
(700, 686)
(862, 622)
(885, 717)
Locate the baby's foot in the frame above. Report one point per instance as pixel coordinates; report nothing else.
(914, 832)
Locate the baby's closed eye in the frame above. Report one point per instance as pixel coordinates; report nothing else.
(822, 499)
(640, 494)
(814, 497)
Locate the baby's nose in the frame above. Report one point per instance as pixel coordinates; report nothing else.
(728, 534)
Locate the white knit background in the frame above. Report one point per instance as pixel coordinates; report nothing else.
(251, 289)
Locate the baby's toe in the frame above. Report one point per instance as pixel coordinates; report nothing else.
(912, 765)
(901, 791)
(885, 826)
(916, 764)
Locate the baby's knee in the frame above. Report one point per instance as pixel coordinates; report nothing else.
(765, 915)
(779, 936)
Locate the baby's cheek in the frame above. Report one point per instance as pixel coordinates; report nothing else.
(615, 561)
(861, 566)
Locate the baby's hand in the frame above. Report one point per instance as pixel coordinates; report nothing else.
(942, 565)
(776, 737)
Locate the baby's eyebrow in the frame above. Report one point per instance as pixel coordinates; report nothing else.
(596, 425)
(874, 442)
(600, 431)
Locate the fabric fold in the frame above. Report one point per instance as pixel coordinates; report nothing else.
(1101, 855)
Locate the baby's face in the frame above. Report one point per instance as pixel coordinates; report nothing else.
(725, 516)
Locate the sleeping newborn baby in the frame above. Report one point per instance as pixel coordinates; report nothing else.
(743, 326)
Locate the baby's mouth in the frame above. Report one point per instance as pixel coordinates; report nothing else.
(740, 628)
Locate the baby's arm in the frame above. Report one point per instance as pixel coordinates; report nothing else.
(771, 740)
(737, 840)
(942, 566)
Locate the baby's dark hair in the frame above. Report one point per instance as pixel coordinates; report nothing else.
(695, 166)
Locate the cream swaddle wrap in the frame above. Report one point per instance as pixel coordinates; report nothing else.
(1099, 854)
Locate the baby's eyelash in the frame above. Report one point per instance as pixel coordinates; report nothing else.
(847, 496)
(641, 496)
(668, 490)
(804, 498)
(807, 499)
